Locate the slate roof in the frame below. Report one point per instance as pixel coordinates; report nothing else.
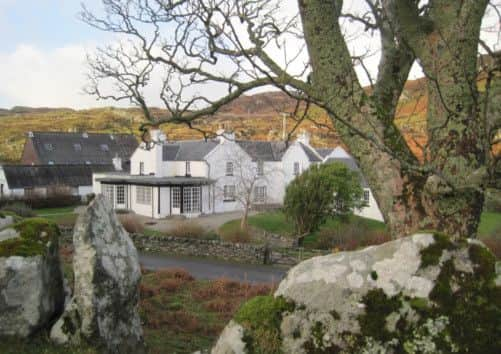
(263, 150)
(312, 156)
(188, 150)
(324, 152)
(62, 148)
(352, 165)
(27, 176)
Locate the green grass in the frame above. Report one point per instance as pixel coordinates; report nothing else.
(489, 223)
(61, 216)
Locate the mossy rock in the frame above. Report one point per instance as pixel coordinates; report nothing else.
(359, 313)
(35, 235)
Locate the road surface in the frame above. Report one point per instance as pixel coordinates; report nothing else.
(202, 268)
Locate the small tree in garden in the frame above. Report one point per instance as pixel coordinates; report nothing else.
(320, 192)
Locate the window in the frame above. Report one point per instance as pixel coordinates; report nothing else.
(366, 196)
(260, 168)
(121, 195)
(191, 199)
(188, 168)
(108, 193)
(1, 190)
(296, 168)
(77, 147)
(229, 193)
(141, 168)
(229, 169)
(176, 197)
(105, 147)
(50, 162)
(48, 147)
(260, 194)
(143, 195)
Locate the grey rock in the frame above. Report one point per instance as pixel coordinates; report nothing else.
(330, 295)
(7, 234)
(5, 221)
(31, 292)
(104, 308)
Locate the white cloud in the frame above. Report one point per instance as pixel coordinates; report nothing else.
(35, 77)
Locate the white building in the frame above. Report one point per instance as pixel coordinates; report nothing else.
(204, 177)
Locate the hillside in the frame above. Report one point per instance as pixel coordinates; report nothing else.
(251, 117)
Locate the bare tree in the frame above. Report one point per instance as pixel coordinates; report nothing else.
(246, 180)
(239, 46)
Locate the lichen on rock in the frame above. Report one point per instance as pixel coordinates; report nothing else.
(104, 309)
(420, 294)
(31, 281)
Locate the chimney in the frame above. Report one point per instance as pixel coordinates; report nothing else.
(223, 135)
(157, 136)
(304, 137)
(284, 125)
(117, 163)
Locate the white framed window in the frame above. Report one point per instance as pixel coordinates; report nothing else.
(260, 194)
(105, 147)
(188, 168)
(141, 168)
(108, 192)
(51, 162)
(143, 195)
(296, 169)
(229, 168)
(176, 197)
(229, 193)
(191, 199)
(77, 147)
(120, 191)
(367, 195)
(260, 168)
(48, 146)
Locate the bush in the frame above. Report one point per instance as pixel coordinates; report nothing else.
(351, 237)
(236, 236)
(131, 223)
(20, 209)
(189, 230)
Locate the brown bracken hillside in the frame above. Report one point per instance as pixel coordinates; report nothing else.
(257, 117)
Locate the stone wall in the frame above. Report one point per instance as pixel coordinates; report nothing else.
(279, 251)
(239, 252)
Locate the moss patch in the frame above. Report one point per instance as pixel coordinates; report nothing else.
(261, 318)
(34, 236)
(431, 255)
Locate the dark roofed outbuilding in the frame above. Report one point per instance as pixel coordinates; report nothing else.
(27, 176)
(61, 148)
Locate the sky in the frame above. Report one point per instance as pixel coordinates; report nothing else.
(43, 53)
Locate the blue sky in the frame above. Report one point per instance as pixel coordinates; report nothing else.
(44, 46)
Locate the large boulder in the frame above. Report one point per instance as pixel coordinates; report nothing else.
(31, 280)
(420, 294)
(104, 307)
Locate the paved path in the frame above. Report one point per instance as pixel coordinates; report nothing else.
(202, 268)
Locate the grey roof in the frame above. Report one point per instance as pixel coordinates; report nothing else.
(263, 150)
(155, 181)
(312, 156)
(352, 165)
(324, 152)
(188, 150)
(27, 176)
(82, 148)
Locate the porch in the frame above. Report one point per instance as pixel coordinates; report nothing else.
(159, 197)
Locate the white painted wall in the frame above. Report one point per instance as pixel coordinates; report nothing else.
(294, 153)
(372, 210)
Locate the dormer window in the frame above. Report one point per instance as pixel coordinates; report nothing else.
(188, 168)
(229, 169)
(141, 168)
(105, 148)
(48, 147)
(77, 147)
(51, 162)
(87, 162)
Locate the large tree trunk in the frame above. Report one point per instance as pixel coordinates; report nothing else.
(409, 200)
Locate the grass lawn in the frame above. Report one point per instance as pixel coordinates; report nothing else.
(61, 216)
(489, 222)
(275, 222)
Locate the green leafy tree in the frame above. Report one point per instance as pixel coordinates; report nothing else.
(320, 192)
